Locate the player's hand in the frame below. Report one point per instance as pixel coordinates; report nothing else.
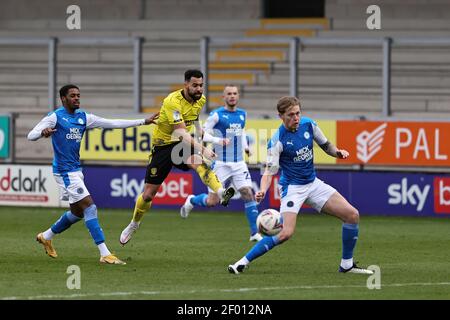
(47, 132)
(248, 152)
(259, 196)
(209, 154)
(225, 142)
(152, 118)
(342, 154)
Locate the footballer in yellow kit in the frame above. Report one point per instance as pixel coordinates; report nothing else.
(172, 145)
(176, 109)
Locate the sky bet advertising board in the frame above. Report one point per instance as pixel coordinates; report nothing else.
(372, 193)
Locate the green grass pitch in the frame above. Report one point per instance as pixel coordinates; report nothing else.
(184, 259)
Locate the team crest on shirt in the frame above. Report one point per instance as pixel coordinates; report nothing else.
(306, 135)
(80, 121)
(176, 116)
(153, 171)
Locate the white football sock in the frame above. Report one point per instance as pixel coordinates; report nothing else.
(347, 263)
(48, 235)
(220, 193)
(103, 249)
(243, 261)
(134, 224)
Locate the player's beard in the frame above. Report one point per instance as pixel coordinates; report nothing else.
(194, 96)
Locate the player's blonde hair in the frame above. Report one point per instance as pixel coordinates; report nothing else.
(285, 102)
(230, 85)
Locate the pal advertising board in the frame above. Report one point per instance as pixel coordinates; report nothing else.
(395, 143)
(372, 193)
(22, 185)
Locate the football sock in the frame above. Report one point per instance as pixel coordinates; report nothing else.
(63, 223)
(91, 221)
(140, 208)
(48, 234)
(244, 261)
(103, 249)
(349, 238)
(208, 177)
(260, 248)
(251, 213)
(347, 263)
(199, 200)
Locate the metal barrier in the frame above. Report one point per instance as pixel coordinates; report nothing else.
(294, 43)
(386, 45)
(53, 43)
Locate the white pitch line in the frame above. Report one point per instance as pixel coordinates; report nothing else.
(154, 293)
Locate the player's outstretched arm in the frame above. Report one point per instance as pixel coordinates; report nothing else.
(94, 121)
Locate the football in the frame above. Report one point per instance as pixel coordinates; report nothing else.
(269, 222)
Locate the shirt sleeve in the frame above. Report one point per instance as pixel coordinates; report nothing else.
(318, 135)
(173, 112)
(274, 149)
(208, 127)
(47, 122)
(93, 121)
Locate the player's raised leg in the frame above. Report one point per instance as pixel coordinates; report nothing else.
(201, 200)
(339, 207)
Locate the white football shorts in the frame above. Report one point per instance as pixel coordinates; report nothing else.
(71, 186)
(314, 194)
(235, 172)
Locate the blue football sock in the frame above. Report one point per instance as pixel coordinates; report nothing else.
(349, 238)
(64, 222)
(91, 221)
(199, 200)
(251, 213)
(263, 246)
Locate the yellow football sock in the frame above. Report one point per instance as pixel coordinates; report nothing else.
(209, 177)
(140, 208)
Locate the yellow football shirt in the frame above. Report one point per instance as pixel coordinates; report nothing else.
(175, 109)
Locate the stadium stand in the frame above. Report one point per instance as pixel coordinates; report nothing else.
(336, 81)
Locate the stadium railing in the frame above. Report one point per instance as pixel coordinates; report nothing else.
(386, 44)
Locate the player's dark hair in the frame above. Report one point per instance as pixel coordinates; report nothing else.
(285, 102)
(65, 89)
(192, 73)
